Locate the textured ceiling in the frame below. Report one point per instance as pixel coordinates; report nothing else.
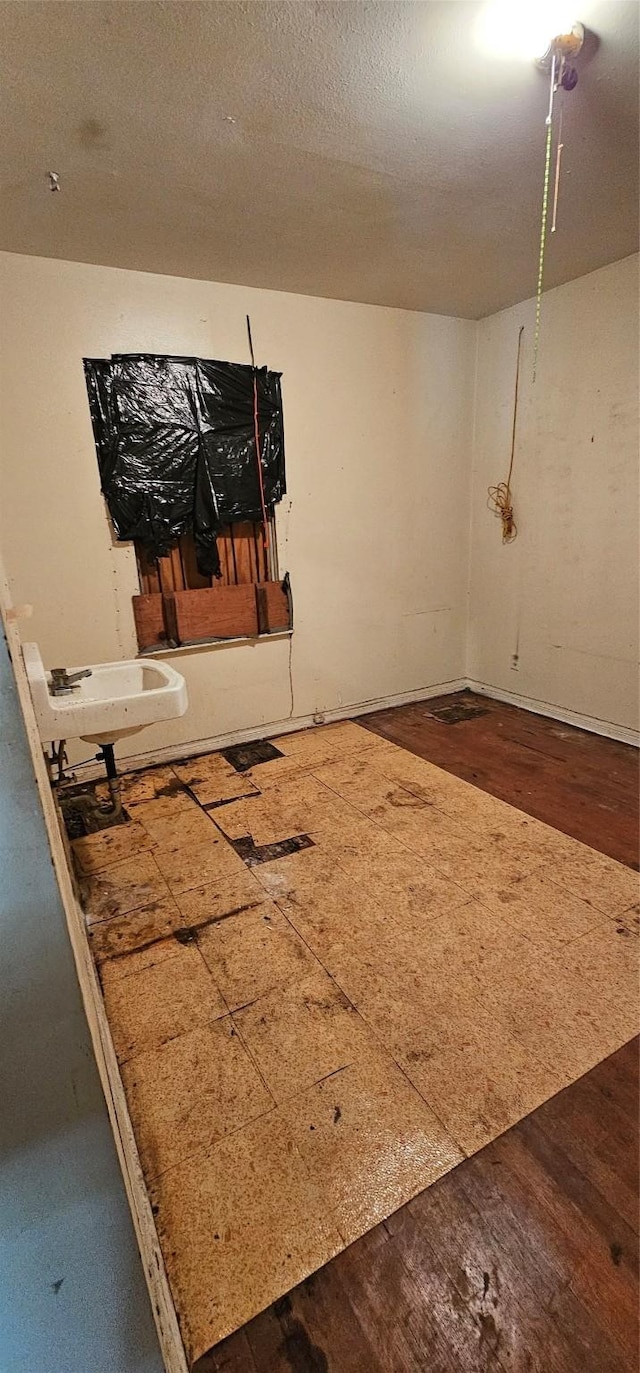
(364, 151)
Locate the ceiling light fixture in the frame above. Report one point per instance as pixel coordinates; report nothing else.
(544, 32)
(529, 29)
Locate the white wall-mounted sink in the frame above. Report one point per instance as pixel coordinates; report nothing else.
(116, 699)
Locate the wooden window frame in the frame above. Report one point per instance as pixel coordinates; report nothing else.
(179, 607)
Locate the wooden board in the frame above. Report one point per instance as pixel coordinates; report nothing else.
(148, 613)
(247, 542)
(220, 612)
(274, 608)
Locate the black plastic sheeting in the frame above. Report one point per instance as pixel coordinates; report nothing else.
(176, 448)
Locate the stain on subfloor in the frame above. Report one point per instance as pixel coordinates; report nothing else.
(453, 715)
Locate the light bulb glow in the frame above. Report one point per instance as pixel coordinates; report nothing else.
(521, 30)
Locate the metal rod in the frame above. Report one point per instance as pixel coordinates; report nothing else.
(556, 187)
(256, 431)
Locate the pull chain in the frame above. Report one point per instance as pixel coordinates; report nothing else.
(545, 211)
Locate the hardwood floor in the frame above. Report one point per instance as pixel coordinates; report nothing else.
(525, 1258)
(578, 782)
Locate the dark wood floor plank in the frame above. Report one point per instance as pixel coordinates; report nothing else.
(403, 1335)
(315, 1328)
(578, 1190)
(230, 1356)
(617, 1079)
(467, 1328)
(323, 1306)
(511, 1199)
(280, 1341)
(589, 1137)
(524, 1273)
(580, 1251)
(504, 1288)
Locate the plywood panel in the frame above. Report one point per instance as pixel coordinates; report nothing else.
(109, 846)
(220, 612)
(170, 995)
(240, 1225)
(191, 1092)
(246, 554)
(148, 614)
(274, 609)
(123, 887)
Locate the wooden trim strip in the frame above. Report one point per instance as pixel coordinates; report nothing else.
(150, 1252)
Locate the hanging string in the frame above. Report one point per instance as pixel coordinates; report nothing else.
(499, 497)
(256, 435)
(545, 210)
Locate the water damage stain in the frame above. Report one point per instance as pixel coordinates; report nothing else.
(455, 714)
(170, 789)
(403, 799)
(297, 1347)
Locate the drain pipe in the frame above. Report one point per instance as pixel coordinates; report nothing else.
(100, 814)
(107, 757)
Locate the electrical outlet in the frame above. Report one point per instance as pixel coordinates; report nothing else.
(515, 662)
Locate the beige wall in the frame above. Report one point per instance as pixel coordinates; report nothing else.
(374, 529)
(564, 595)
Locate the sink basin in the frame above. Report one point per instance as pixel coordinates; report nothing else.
(116, 700)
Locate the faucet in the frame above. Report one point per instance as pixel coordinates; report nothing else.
(63, 681)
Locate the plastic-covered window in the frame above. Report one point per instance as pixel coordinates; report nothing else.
(176, 447)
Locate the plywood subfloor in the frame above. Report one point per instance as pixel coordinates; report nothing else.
(311, 1033)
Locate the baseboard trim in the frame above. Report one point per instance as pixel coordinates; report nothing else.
(175, 752)
(606, 728)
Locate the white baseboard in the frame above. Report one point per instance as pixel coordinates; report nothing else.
(175, 752)
(607, 728)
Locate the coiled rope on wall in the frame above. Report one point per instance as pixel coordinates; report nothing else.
(499, 497)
